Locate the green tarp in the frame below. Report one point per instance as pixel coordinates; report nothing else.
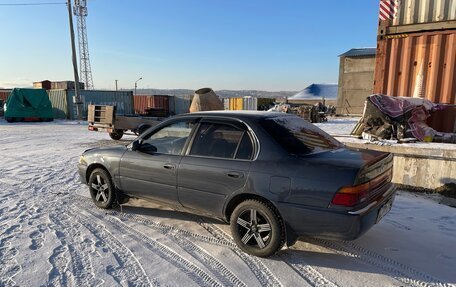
(28, 104)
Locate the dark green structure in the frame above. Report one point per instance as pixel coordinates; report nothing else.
(28, 105)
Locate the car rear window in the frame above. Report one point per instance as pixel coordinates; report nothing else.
(298, 136)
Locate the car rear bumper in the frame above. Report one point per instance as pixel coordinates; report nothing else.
(330, 224)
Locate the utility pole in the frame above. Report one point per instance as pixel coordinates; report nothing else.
(77, 97)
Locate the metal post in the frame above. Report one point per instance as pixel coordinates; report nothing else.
(116, 85)
(77, 97)
(136, 85)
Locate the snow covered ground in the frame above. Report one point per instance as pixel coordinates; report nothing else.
(51, 234)
(338, 126)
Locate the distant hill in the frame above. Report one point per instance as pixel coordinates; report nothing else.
(220, 93)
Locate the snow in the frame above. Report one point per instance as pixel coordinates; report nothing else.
(338, 126)
(341, 129)
(52, 234)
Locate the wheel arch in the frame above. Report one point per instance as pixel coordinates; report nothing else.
(94, 166)
(237, 199)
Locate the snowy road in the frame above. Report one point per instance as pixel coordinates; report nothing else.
(51, 233)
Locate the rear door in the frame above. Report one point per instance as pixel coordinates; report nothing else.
(151, 171)
(216, 165)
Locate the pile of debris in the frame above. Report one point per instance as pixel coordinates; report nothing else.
(317, 113)
(401, 118)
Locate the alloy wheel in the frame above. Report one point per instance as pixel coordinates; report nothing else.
(254, 228)
(101, 188)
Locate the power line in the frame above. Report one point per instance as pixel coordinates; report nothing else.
(33, 4)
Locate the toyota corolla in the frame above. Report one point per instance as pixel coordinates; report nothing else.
(272, 176)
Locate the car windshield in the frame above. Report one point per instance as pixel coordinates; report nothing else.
(298, 136)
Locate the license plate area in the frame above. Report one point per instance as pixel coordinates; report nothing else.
(384, 209)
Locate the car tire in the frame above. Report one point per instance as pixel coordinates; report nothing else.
(102, 189)
(116, 134)
(257, 228)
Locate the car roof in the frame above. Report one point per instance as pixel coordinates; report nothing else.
(238, 114)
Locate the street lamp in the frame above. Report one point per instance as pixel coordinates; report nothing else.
(136, 84)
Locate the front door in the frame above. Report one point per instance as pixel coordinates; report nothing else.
(150, 171)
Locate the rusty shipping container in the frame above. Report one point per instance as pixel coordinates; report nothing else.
(4, 94)
(417, 64)
(142, 102)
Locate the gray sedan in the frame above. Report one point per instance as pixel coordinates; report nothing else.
(272, 176)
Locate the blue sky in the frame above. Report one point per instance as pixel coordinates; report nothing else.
(229, 44)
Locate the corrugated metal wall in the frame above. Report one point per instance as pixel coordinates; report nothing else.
(425, 11)
(179, 105)
(59, 102)
(421, 63)
(250, 104)
(4, 95)
(142, 102)
(237, 104)
(123, 100)
(63, 106)
(356, 78)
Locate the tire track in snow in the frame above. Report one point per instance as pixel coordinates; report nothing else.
(130, 270)
(307, 272)
(195, 273)
(161, 227)
(223, 274)
(395, 269)
(68, 233)
(181, 237)
(258, 268)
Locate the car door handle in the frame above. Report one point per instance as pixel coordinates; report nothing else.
(235, 174)
(169, 166)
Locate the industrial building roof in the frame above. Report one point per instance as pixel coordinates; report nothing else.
(359, 52)
(317, 91)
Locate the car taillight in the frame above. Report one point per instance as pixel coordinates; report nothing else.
(353, 195)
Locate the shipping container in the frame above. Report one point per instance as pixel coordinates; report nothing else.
(179, 105)
(142, 103)
(420, 64)
(4, 94)
(444, 120)
(415, 16)
(65, 85)
(250, 104)
(59, 101)
(63, 106)
(42, 85)
(424, 11)
(236, 104)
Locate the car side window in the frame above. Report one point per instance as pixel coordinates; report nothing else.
(222, 141)
(170, 139)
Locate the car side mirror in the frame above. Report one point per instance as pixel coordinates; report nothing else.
(135, 145)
